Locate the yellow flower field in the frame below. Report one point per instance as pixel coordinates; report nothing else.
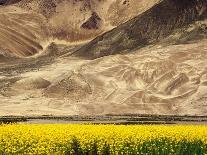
(102, 139)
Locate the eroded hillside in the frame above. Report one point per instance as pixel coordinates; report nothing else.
(150, 27)
(155, 63)
(33, 24)
(22, 34)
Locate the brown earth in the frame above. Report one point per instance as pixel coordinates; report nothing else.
(154, 25)
(28, 26)
(154, 63)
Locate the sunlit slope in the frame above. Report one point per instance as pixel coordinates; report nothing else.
(67, 17)
(25, 23)
(21, 33)
(153, 64)
(153, 80)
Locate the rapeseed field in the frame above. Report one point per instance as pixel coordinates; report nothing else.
(102, 139)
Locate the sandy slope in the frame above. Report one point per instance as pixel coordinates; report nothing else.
(66, 17)
(21, 33)
(165, 77)
(157, 80)
(27, 26)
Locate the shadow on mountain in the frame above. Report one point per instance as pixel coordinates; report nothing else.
(8, 2)
(148, 28)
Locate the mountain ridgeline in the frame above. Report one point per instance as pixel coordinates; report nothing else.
(150, 27)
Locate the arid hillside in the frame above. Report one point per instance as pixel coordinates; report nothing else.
(152, 26)
(40, 22)
(97, 57)
(67, 17)
(22, 34)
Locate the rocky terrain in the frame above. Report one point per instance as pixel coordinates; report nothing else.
(31, 25)
(71, 57)
(150, 27)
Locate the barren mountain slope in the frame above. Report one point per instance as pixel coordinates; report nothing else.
(111, 13)
(29, 25)
(168, 75)
(151, 26)
(21, 33)
(154, 80)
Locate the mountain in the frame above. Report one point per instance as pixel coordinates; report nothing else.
(80, 11)
(22, 34)
(39, 22)
(99, 57)
(151, 26)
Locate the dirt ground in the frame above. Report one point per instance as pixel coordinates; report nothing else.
(43, 75)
